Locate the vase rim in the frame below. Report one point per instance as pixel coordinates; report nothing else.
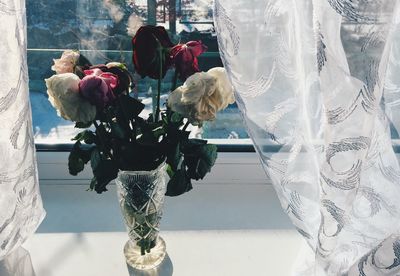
(160, 167)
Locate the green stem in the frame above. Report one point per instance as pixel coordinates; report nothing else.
(174, 81)
(159, 85)
(133, 130)
(121, 106)
(186, 126)
(173, 87)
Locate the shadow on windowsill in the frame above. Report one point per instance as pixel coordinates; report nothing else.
(72, 209)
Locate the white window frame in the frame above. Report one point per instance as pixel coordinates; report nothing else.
(231, 167)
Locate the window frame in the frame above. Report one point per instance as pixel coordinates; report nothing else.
(232, 167)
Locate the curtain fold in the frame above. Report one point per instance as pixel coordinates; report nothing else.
(17, 263)
(21, 208)
(319, 81)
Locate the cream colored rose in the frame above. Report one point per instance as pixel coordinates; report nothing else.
(224, 87)
(63, 91)
(202, 96)
(67, 62)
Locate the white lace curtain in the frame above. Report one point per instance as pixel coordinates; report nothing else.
(318, 84)
(21, 208)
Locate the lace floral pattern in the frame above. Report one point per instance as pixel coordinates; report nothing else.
(20, 201)
(320, 80)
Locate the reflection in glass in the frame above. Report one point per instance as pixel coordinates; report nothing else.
(102, 31)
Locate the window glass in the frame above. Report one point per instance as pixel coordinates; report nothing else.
(102, 31)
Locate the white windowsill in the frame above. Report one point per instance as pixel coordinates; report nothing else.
(230, 224)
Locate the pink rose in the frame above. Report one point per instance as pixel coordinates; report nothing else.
(63, 91)
(120, 85)
(185, 58)
(97, 87)
(67, 62)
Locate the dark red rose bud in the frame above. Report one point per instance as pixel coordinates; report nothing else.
(146, 57)
(184, 57)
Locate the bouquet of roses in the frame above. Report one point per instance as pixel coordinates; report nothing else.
(97, 98)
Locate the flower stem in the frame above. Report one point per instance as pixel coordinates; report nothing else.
(174, 81)
(186, 126)
(132, 85)
(157, 115)
(173, 87)
(121, 106)
(133, 130)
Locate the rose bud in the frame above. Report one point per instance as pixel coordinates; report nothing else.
(146, 56)
(66, 63)
(97, 87)
(185, 56)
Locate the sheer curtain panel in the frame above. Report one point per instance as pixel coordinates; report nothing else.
(21, 208)
(318, 81)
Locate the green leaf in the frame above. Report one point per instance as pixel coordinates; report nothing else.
(139, 156)
(177, 135)
(101, 131)
(95, 158)
(200, 158)
(174, 156)
(150, 118)
(179, 183)
(117, 131)
(86, 136)
(131, 107)
(151, 132)
(105, 172)
(93, 183)
(78, 137)
(76, 162)
(176, 118)
(170, 171)
(196, 142)
(85, 154)
(158, 131)
(82, 125)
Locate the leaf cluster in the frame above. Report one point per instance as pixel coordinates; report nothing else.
(123, 140)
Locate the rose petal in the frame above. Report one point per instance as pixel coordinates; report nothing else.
(93, 71)
(111, 79)
(185, 58)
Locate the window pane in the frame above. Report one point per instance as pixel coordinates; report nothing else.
(101, 30)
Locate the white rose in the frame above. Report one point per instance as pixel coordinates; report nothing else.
(66, 63)
(63, 91)
(224, 86)
(202, 96)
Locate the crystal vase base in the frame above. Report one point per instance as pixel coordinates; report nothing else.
(135, 259)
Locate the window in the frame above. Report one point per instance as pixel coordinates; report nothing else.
(101, 30)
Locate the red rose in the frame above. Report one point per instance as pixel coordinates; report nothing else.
(185, 58)
(146, 56)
